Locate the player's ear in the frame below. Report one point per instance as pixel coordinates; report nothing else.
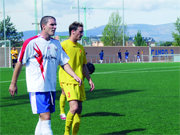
(43, 26)
(72, 32)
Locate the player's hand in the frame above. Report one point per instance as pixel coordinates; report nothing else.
(91, 85)
(78, 80)
(12, 89)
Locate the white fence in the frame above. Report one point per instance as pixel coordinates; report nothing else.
(5, 53)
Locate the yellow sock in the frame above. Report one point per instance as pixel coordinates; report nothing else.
(62, 100)
(76, 124)
(69, 120)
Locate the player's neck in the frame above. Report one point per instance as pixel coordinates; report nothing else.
(45, 36)
(73, 39)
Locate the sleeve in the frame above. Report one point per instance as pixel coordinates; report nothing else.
(17, 52)
(63, 57)
(23, 55)
(84, 56)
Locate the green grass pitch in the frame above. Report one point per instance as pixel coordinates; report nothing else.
(129, 99)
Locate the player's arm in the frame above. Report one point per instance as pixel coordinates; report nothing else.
(12, 53)
(86, 74)
(13, 86)
(69, 70)
(16, 53)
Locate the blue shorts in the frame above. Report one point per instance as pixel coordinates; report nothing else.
(42, 102)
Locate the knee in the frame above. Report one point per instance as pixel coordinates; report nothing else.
(63, 92)
(74, 109)
(45, 116)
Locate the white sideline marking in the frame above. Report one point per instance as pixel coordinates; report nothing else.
(135, 71)
(142, 70)
(10, 81)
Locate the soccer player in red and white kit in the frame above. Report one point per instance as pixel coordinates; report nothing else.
(41, 55)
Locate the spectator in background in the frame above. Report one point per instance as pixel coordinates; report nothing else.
(138, 56)
(126, 56)
(14, 56)
(119, 56)
(101, 55)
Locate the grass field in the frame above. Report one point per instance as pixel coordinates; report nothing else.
(129, 98)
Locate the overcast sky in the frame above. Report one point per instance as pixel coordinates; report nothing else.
(135, 12)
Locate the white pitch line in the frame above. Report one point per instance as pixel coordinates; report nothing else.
(17, 81)
(10, 81)
(141, 70)
(134, 71)
(115, 71)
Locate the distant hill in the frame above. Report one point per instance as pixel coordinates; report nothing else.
(161, 32)
(158, 32)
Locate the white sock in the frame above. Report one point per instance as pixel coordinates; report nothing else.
(46, 127)
(38, 128)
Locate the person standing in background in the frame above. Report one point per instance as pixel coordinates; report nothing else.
(119, 56)
(14, 56)
(138, 56)
(101, 55)
(126, 56)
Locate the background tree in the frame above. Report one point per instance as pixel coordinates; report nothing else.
(176, 36)
(167, 43)
(138, 40)
(11, 32)
(113, 31)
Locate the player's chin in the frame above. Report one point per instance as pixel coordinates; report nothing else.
(52, 33)
(80, 38)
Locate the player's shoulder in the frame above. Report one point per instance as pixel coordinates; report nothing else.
(55, 41)
(80, 46)
(65, 43)
(30, 39)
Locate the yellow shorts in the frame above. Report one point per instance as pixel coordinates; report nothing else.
(74, 91)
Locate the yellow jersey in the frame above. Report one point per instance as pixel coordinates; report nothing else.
(14, 54)
(77, 56)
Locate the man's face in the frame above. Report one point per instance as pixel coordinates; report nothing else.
(50, 27)
(78, 33)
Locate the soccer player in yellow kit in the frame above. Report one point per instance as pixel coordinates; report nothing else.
(75, 94)
(14, 56)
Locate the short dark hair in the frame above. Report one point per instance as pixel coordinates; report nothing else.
(74, 26)
(45, 19)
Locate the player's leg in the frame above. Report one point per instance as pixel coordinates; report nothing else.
(77, 116)
(69, 119)
(75, 94)
(13, 63)
(43, 103)
(62, 100)
(46, 123)
(76, 119)
(38, 128)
